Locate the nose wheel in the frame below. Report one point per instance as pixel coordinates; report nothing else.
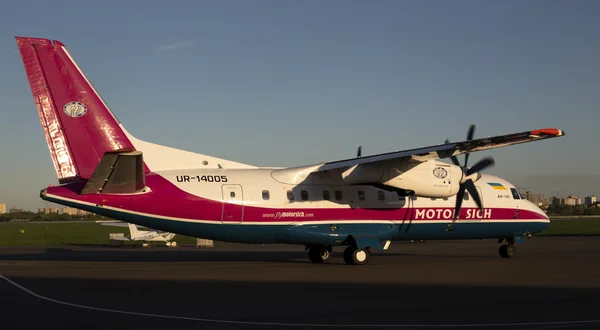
(507, 250)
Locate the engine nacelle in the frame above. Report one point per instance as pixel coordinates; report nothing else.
(431, 179)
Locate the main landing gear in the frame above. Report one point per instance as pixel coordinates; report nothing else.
(352, 255)
(319, 254)
(356, 256)
(507, 250)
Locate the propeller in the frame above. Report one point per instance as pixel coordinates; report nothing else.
(466, 182)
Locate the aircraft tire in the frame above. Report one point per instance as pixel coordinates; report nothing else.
(354, 256)
(507, 251)
(319, 255)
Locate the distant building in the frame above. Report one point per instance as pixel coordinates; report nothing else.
(537, 199)
(15, 210)
(47, 210)
(2, 208)
(74, 211)
(572, 201)
(557, 201)
(590, 200)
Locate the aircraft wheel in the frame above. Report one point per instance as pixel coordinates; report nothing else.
(319, 255)
(507, 251)
(354, 256)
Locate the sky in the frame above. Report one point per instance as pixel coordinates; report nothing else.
(287, 83)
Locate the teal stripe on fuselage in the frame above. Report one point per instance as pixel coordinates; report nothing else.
(323, 234)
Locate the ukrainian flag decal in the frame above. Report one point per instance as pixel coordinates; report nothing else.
(497, 186)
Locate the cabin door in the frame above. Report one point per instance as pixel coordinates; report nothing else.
(233, 203)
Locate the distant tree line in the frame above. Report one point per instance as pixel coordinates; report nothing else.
(568, 210)
(33, 216)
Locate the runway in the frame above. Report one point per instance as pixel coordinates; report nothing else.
(431, 285)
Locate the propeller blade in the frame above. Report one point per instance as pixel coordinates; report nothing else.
(473, 191)
(359, 152)
(459, 199)
(453, 158)
(455, 161)
(470, 134)
(481, 165)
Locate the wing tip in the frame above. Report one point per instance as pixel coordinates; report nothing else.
(548, 131)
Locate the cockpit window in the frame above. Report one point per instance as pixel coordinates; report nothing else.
(515, 193)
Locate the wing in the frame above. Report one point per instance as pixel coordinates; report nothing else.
(449, 149)
(436, 152)
(115, 224)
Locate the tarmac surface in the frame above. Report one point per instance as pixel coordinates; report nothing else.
(552, 283)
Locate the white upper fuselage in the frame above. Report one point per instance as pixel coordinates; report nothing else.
(260, 189)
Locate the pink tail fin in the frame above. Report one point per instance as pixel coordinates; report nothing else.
(78, 125)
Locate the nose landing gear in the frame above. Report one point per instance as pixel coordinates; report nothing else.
(507, 250)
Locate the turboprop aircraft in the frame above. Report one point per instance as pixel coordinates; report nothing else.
(363, 203)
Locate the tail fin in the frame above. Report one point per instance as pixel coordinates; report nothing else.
(78, 125)
(133, 231)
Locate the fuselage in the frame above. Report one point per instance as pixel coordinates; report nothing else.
(254, 206)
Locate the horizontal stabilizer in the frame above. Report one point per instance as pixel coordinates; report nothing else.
(117, 173)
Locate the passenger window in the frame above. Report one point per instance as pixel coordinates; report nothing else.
(515, 193)
(361, 195)
(338, 195)
(466, 196)
(232, 194)
(326, 195)
(290, 195)
(304, 195)
(266, 195)
(381, 195)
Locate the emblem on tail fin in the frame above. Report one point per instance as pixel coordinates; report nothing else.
(75, 109)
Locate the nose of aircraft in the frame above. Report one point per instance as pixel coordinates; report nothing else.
(544, 220)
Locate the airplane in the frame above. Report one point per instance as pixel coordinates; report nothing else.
(135, 234)
(362, 203)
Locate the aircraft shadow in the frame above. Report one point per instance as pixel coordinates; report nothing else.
(133, 255)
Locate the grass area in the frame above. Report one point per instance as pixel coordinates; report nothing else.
(575, 227)
(64, 233)
(24, 233)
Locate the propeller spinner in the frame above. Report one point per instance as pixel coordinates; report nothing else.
(466, 182)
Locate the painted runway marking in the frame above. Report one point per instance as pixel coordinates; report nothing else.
(280, 324)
